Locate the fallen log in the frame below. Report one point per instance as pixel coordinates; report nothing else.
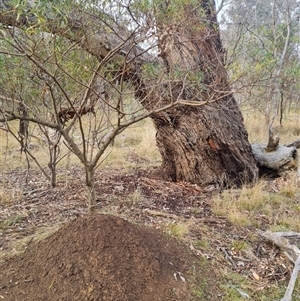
(283, 158)
(275, 158)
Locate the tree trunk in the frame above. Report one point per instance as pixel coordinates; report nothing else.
(90, 184)
(203, 142)
(206, 142)
(206, 145)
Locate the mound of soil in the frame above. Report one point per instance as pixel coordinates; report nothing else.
(102, 257)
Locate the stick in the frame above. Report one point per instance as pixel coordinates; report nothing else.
(291, 285)
(292, 252)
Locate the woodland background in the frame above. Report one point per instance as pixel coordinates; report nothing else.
(261, 42)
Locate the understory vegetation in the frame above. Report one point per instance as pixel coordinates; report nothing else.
(141, 110)
(271, 204)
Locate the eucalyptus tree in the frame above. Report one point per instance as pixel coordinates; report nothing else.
(166, 55)
(263, 53)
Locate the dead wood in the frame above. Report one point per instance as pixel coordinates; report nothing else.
(295, 144)
(163, 214)
(273, 142)
(274, 157)
(280, 159)
(281, 239)
(289, 291)
(65, 114)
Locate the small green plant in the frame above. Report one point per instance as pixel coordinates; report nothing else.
(202, 244)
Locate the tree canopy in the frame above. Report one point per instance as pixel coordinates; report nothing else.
(126, 61)
(263, 53)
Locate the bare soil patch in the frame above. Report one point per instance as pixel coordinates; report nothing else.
(102, 257)
(143, 198)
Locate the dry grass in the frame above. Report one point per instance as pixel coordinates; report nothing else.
(8, 197)
(176, 229)
(269, 205)
(274, 203)
(257, 128)
(11, 156)
(277, 202)
(135, 147)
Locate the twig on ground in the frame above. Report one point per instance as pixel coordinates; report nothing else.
(227, 256)
(163, 214)
(291, 285)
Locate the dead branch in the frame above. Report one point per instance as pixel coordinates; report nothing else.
(273, 142)
(65, 114)
(295, 144)
(281, 239)
(280, 159)
(291, 285)
(162, 214)
(23, 127)
(277, 158)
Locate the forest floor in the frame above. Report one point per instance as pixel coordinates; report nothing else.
(245, 264)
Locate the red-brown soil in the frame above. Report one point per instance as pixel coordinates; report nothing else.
(31, 210)
(103, 257)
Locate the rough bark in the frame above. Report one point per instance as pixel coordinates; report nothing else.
(204, 141)
(205, 144)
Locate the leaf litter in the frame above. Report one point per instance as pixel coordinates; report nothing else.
(39, 211)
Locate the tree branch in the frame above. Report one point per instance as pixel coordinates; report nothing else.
(292, 252)
(10, 116)
(83, 29)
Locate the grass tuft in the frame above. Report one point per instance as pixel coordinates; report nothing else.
(176, 229)
(251, 206)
